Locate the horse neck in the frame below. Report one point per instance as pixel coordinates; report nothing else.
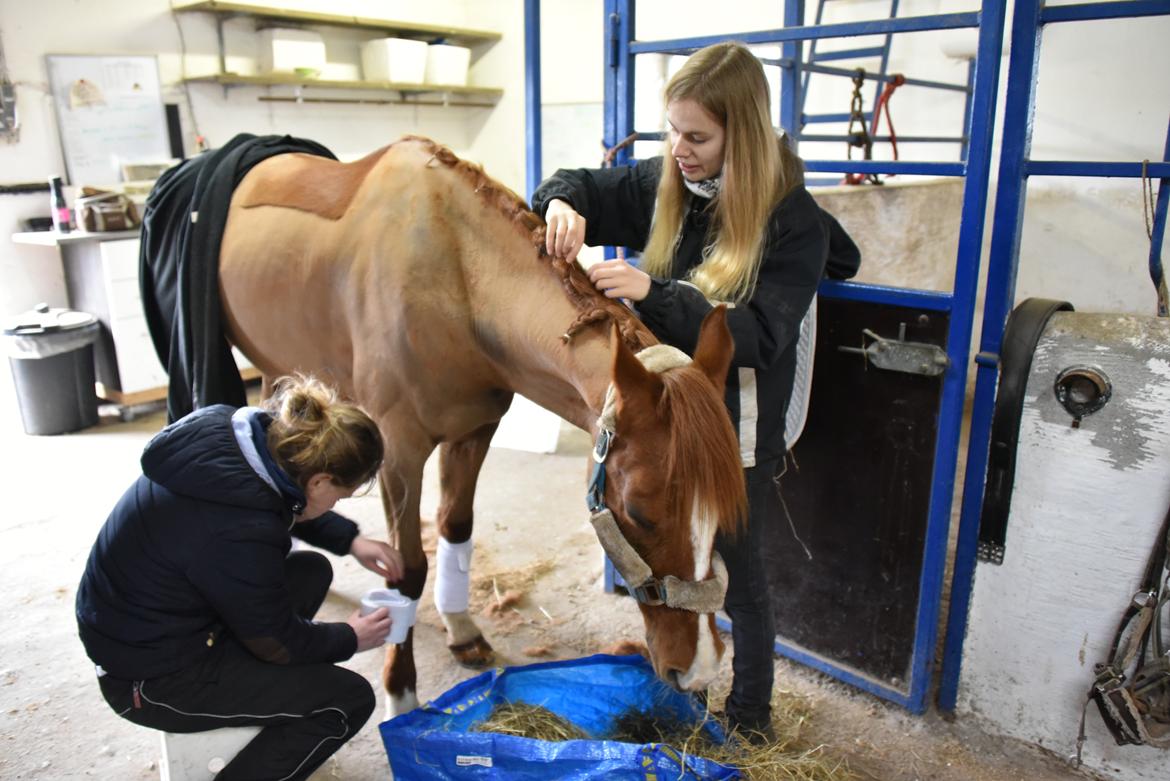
(527, 309)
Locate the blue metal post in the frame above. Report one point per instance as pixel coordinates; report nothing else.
(958, 345)
(790, 75)
(533, 117)
(1159, 229)
(1001, 283)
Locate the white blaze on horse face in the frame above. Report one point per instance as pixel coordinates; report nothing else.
(706, 663)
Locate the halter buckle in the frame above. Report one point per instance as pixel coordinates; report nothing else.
(601, 449)
(652, 593)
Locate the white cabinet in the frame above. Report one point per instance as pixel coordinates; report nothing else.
(101, 275)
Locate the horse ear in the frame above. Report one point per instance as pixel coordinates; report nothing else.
(636, 389)
(715, 347)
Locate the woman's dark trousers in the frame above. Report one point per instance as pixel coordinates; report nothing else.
(749, 606)
(307, 711)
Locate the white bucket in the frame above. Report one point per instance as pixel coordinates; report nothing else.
(402, 610)
(394, 59)
(447, 65)
(289, 51)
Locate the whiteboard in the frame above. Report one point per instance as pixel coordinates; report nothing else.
(109, 112)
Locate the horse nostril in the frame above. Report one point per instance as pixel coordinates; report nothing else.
(673, 678)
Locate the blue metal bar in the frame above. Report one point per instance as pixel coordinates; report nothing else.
(791, 100)
(884, 77)
(954, 388)
(883, 67)
(1019, 106)
(967, 107)
(810, 118)
(1083, 12)
(892, 296)
(909, 24)
(533, 117)
(862, 682)
(1159, 229)
(848, 54)
(907, 139)
(886, 167)
(1117, 170)
(619, 81)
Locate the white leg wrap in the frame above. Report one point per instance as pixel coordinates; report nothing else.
(453, 576)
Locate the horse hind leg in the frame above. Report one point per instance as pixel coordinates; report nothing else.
(400, 480)
(459, 465)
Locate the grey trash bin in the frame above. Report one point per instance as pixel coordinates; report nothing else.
(51, 354)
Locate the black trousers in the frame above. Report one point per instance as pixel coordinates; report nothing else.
(748, 604)
(307, 711)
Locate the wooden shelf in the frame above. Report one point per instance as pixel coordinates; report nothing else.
(292, 80)
(429, 32)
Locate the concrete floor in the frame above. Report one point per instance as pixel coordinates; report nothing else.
(531, 535)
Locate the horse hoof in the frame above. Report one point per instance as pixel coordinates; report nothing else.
(475, 654)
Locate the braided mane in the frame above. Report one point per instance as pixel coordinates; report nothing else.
(592, 305)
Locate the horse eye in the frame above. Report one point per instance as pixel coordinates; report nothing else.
(639, 519)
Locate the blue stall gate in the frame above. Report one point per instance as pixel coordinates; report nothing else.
(857, 576)
(871, 503)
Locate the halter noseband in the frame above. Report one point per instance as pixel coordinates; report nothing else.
(703, 596)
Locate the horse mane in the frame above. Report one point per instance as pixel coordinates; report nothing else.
(593, 306)
(703, 459)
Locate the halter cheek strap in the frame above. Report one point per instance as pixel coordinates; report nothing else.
(704, 596)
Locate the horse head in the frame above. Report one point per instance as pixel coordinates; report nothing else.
(671, 477)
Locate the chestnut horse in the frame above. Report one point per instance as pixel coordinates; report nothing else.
(419, 287)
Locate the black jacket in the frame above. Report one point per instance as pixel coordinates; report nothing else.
(178, 268)
(804, 243)
(195, 550)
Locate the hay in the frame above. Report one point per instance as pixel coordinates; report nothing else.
(783, 760)
(529, 721)
(778, 761)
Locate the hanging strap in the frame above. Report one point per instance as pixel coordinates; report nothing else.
(1122, 713)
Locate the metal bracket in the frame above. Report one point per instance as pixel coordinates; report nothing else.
(900, 355)
(9, 125)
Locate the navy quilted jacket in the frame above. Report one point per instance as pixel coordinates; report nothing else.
(194, 551)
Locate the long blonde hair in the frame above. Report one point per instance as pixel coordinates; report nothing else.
(758, 171)
(314, 432)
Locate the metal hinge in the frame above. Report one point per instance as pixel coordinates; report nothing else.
(900, 355)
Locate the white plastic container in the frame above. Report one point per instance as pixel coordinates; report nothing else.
(447, 65)
(289, 51)
(402, 611)
(394, 59)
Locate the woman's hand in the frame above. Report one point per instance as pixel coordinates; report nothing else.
(378, 557)
(618, 279)
(371, 630)
(566, 230)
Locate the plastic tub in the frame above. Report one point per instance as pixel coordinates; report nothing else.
(447, 65)
(394, 59)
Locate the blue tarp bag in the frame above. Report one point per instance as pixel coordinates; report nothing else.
(435, 741)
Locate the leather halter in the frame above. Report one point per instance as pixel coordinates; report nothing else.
(704, 596)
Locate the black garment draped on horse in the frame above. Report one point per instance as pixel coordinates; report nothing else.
(179, 268)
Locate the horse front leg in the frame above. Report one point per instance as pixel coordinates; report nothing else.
(459, 465)
(401, 485)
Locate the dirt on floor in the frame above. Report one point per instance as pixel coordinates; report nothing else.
(536, 591)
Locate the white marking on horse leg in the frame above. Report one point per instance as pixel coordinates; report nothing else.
(404, 703)
(453, 576)
(460, 627)
(706, 661)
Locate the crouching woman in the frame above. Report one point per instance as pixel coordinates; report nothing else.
(192, 606)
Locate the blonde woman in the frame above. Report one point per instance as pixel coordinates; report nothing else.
(722, 216)
(191, 606)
